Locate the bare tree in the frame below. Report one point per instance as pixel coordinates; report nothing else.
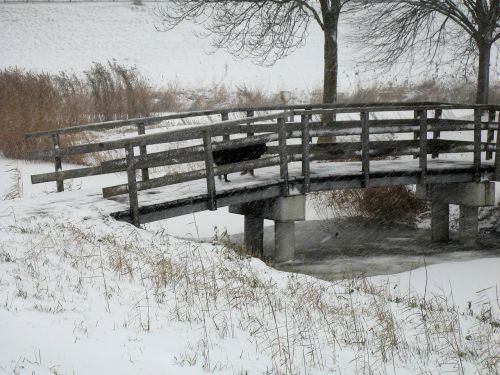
(265, 30)
(401, 29)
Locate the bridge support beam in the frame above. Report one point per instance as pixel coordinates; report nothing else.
(469, 196)
(254, 235)
(284, 211)
(284, 241)
(468, 225)
(440, 221)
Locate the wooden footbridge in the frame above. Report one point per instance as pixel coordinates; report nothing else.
(449, 151)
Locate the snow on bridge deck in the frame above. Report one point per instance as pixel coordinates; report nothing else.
(188, 197)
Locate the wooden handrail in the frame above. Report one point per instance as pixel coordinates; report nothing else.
(340, 108)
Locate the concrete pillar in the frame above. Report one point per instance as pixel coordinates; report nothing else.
(284, 240)
(468, 225)
(254, 235)
(440, 221)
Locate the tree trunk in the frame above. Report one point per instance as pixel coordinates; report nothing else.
(483, 74)
(330, 70)
(331, 61)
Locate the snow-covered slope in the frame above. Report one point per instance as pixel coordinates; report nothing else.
(83, 294)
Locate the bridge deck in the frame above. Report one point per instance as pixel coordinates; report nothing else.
(189, 197)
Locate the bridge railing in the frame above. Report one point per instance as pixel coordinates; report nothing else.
(276, 129)
(58, 151)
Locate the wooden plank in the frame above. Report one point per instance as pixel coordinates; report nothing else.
(141, 130)
(71, 173)
(294, 109)
(271, 189)
(57, 161)
(353, 150)
(477, 145)
(306, 166)
(209, 166)
(340, 128)
(394, 107)
(423, 145)
(250, 113)
(192, 154)
(490, 134)
(283, 154)
(177, 178)
(416, 134)
(132, 186)
(365, 147)
(497, 156)
(224, 117)
(436, 134)
(166, 210)
(102, 126)
(161, 137)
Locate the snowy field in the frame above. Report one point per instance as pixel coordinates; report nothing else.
(71, 36)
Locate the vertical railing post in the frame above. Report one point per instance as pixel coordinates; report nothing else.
(416, 134)
(490, 133)
(422, 162)
(250, 113)
(497, 152)
(57, 160)
(436, 134)
(283, 154)
(306, 166)
(365, 147)
(209, 166)
(477, 144)
(141, 130)
(132, 185)
(224, 117)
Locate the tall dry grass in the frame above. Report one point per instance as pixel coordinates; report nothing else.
(38, 101)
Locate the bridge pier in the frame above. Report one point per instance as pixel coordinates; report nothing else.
(469, 196)
(468, 225)
(284, 211)
(254, 235)
(284, 240)
(440, 221)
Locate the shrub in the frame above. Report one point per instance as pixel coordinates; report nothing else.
(395, 204)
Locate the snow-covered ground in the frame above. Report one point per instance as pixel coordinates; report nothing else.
(71, 36)
(81, 293)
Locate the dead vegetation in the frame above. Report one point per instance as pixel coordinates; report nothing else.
(37, 101)
(394, 204)
(295, 324)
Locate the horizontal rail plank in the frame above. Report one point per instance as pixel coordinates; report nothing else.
(106, 125)
(157, 138)
(190, 176)
(332, 152)
(340, 108)
(338, 128)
